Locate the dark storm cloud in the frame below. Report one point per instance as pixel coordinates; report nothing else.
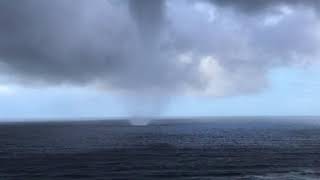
(254, 6)
(144, 46)
(54, 41)
(113, 44)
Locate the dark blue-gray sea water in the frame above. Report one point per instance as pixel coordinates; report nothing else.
(118, 150)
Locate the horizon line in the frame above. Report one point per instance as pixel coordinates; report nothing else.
(151, 118)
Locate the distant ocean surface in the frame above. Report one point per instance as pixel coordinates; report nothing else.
(118, 150)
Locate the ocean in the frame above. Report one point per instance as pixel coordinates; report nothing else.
(161, 150)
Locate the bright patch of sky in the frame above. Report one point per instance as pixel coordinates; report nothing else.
(292, 91)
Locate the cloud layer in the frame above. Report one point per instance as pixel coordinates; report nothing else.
(217, 48)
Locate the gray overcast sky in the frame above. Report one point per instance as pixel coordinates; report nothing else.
(150, 51)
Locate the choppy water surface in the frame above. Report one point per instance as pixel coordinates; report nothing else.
(99, 150)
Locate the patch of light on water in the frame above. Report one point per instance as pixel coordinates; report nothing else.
(139, 121)
(301, 175)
